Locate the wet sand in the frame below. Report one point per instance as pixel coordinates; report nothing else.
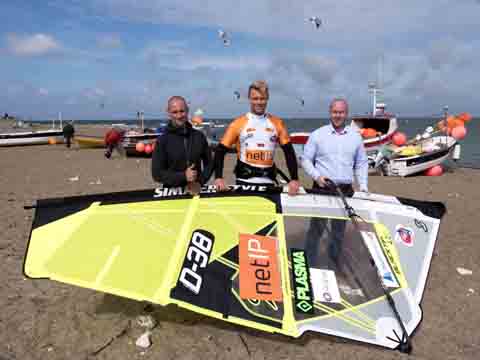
(48, 320)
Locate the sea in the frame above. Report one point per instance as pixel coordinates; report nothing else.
(470, 145)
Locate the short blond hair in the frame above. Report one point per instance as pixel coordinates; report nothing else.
(259, 85)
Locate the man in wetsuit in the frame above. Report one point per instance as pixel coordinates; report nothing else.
(256, 135)
(182, 156)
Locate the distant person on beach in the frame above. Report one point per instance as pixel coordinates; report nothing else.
(182, 156)
(68, 133)
(333, 152)
(256, 134)
(113, 141)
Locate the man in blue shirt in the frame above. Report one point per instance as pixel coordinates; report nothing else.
(336, 152)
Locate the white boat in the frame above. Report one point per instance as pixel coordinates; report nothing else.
(435, 151)
(35, 137)
(31, 137)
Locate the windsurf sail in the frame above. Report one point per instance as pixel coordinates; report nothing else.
(251, 256)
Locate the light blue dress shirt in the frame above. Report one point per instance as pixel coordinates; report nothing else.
(336, 155)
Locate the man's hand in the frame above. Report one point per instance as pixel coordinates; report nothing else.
(191, 174)
(220, 184)
(293, 187)
(194, 188)
(321, 181)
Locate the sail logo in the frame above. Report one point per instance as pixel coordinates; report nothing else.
(259, 270)
(206, 189)
(196, 260)
(382, 257)
(303, 293)
(404, 235)
(421, 225)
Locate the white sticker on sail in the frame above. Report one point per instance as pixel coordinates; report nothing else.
(325, 287)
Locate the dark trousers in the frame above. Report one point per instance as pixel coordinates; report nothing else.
(68, 139)
(317, 228)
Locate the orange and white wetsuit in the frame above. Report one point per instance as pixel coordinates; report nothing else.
(256, 137)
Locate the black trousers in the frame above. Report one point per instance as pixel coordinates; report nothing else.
(68, 139)
(335, 228)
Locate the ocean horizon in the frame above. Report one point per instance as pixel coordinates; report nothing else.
(470, 152)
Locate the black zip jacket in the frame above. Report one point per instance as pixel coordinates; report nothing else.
(177, 149)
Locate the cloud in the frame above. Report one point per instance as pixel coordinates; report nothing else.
(178, 55)
(109, 41)
(284, 19)
(93, 93)
(32, 45)
(43, 92)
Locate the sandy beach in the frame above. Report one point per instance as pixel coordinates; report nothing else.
(48, 320)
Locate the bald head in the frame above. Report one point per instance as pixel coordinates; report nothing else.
(338, 112)
(174, 99)
(177, 110)
(339, 100)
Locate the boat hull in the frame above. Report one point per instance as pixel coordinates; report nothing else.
(90, 142)
(31, 138)
(411, 165)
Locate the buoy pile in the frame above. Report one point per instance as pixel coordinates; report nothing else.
(369, 133)
(145, 147)
(455, 125)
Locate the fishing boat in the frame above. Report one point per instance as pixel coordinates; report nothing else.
(378, 127)
(31, 137)
(413, 159)
(90, 142)
(35, 137)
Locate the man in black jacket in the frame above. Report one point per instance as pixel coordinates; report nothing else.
(181, 156)
(68, 133)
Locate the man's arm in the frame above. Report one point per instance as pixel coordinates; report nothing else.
(207, 163)
(360, 167)
(308, 157)
(219, 159)
(291, 160)
(160, 171)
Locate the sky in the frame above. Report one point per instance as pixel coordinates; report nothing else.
(108, 59)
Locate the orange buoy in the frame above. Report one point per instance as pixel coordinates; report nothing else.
(465, 117)
(148, 149)
(459, 132)
(399, 138)
(52, 141)
(197, 120)
(436, 170)
(368, 132)
(140, 147)
(453, 122)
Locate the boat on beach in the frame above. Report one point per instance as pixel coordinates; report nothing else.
(31, 137)
(54, 135)
(414, 159)
(89, 142)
